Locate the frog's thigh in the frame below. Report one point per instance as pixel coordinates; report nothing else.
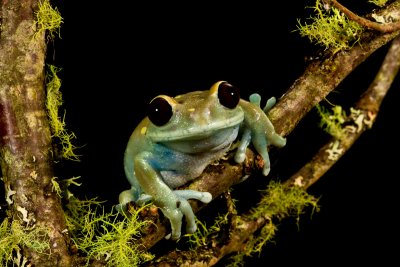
(147, 176)
(124, 198)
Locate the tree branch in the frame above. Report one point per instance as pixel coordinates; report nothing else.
(318, 80)
(25, 140)
(368, 107)
(385, 28)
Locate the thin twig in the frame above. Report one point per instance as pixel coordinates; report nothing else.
(385, 28)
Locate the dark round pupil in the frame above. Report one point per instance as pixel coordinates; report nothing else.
(159, 111)
(228, 95)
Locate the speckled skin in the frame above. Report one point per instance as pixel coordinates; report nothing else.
(201, 130)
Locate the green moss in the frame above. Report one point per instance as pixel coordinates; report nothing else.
(330, 28)
(203, 235)
(13, 236)
(332, 122)
(278, 202)
(110, 236)
(48, 19)
(57, 124)
(56, 186)
(379, 3)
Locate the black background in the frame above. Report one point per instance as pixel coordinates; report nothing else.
(116, 57)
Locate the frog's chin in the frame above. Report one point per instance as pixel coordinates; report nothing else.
(219, 140)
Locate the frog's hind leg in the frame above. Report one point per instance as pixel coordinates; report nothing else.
(185, 207)
(240, 154)
(204, 197)
(261, 145)
(127, 196)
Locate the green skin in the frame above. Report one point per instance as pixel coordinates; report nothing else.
(159, 159)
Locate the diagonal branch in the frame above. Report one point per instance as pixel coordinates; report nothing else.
(319, 79)
(364, 114)
(368, 107)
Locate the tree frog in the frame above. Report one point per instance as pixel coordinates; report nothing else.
(181, 136)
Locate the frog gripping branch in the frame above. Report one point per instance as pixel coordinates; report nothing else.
(184, 134)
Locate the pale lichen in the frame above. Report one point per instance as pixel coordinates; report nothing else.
(10, 193)
(334, 151)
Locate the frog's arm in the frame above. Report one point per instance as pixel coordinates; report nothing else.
(174, 204)
(259, 129)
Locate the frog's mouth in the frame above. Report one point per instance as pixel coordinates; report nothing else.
(217, 141)
(197, 133)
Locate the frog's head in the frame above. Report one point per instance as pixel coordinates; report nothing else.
(196, 121)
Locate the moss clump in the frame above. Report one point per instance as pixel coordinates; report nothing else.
(57, 124)
(201, 237)
(48, 19)
(332, 122)
(108, 236)
(379, 3)
(13, 236)
(278, 202)
(330, 28)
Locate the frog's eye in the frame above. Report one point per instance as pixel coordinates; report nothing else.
(228, 95)
(159, 111)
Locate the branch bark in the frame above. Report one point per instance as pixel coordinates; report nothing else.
(25, 139)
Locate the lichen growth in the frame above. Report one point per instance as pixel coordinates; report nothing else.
(280, 201)
(330, 28)
(48, 19)
(379, 3)
(332, 121)
(277, 203)
(202, 237)
(13, 235)
(56, 186)
(57, 124)
(109, 236)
